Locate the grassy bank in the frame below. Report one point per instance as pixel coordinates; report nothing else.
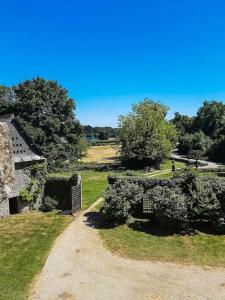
(25, 241)
(201, 249)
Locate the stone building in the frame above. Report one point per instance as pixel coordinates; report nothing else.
(17, 156)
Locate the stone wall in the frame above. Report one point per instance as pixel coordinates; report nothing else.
(7, 170)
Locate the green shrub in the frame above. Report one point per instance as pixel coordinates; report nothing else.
(186, 201)
(168, 207)
(122, 201)
(48, 204)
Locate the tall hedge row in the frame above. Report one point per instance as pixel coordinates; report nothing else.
(59, 189)
(183, 202)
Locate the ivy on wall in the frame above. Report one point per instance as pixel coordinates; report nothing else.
(35, 188)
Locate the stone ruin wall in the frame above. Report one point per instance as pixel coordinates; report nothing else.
(7, 169)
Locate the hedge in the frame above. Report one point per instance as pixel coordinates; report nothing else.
(183, 202)
(59, 188)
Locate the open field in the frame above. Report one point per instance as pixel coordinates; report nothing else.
(25, 241)
(200, 249)
(102, 154)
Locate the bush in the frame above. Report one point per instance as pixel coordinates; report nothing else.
(48, 204)
(168, 207)
(122, 201)
(182, 202)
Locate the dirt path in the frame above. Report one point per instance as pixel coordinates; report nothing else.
(79, 267)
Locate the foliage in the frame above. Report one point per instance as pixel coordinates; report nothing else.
(121, 201)
(211, 118)
(146, 137)
(168, 207)
(197, 141)
(48, 204)
(6, 100)
(183, 123)
(217, 150)
(94, 132)
(187, 200)
(103, 136)
(34, 190)
(46, 112)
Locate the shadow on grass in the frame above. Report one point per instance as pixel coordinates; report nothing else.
(95, 220)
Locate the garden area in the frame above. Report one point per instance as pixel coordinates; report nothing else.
(181, 219)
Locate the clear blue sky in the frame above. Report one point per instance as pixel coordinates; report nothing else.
(110, 54)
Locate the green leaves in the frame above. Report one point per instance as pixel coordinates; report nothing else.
(145, 134)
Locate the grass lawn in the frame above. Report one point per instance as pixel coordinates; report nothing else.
(202, 249)
(168, 165)
(93, 184)
(25, 240)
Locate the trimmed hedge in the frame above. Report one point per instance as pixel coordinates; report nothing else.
(183, 202)
(58, 188)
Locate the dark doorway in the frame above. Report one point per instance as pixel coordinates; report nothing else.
(13, 207)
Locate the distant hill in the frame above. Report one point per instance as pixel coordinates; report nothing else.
(102, 133)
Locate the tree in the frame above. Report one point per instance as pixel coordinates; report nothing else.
(6, 100)
(190, 143)
(217, 151)
(211, 118)
(146, 137)
(103, 136)
(183, 123)
(44, 109)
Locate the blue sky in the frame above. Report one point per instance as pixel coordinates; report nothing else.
(110, 54)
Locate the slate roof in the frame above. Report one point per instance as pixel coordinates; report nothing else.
(22, 148)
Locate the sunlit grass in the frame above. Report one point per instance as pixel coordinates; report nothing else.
(25, 241)
(200, 249)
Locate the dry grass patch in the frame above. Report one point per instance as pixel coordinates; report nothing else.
(102, 154)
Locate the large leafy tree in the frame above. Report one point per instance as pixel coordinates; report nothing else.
(183, 123)
(46, 112)
(146, 137)
(211, 118)
(6, 100)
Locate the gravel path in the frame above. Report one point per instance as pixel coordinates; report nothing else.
(79, 267)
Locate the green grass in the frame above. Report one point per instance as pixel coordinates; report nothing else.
(168, 165)
(93, 185)
(201, 249)
(25, 241)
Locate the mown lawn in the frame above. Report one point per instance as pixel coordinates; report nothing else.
(25, 241)
(93, 185)
(201, 249)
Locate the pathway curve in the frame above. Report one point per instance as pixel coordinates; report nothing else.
(80, 268)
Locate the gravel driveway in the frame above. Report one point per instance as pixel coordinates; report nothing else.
(79, 267)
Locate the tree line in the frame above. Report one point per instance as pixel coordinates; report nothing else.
(47, 113)
(204, 134)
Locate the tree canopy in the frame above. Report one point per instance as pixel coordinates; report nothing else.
(46, 112)
(146, 137)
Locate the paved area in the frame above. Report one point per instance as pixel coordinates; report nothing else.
(79, 267)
